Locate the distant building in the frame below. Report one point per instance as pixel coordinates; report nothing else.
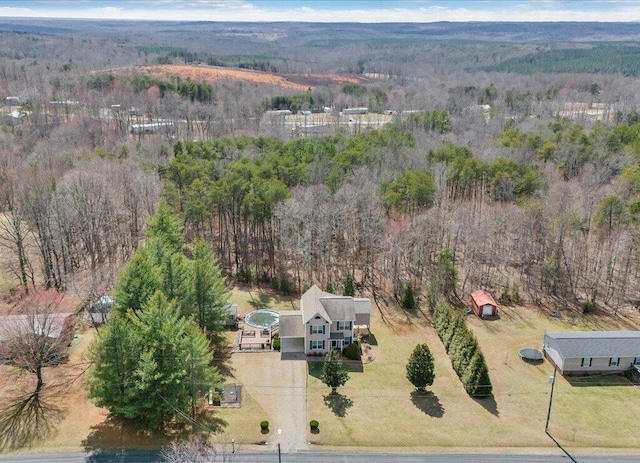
(593, 352)
(153, 127)
(231, 321)
(100, 310)
(278, 112)
(483, 304)
(12, 101)
(351, 111)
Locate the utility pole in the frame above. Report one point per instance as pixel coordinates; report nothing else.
(552, 380)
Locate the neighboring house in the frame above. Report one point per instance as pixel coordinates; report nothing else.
(591, 352)
(325, 322)
(100, 310)
(231, 321)
(52, 325)
(483, 304)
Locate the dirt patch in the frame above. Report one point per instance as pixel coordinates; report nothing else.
(211, 74)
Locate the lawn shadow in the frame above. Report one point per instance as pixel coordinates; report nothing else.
(489, 403)
(120, 433)
(222, 359)
(27, 419)
(560, 447)
(370, 338)
(338, 403)
(427, 402)
(601, 380)
(263, 301)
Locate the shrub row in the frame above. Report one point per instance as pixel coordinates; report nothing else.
(464, 352)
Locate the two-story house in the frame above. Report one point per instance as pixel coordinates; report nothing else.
(325, 321)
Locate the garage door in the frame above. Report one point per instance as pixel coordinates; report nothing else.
(487, 310)
(289, 345)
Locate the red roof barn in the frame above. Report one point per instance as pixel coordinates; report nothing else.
(483, 304)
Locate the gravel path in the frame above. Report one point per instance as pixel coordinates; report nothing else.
(280, 388)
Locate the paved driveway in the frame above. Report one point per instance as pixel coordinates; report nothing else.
(280, 388)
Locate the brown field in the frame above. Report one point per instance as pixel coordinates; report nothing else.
(211, 74)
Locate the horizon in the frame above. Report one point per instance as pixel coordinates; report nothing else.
(314, 11)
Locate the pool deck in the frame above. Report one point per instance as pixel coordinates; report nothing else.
(252, 339)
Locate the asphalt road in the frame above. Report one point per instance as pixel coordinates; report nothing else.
(133, 456)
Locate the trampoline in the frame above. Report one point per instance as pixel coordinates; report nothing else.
(264, 319)
(531, 355)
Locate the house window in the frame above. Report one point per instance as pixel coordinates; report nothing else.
(614, 361)
(317, 329)
(347, 341)
(586, 362)
(316, 345)
(344, 326)
(636, 361)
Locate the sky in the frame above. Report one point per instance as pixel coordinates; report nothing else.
(366, 11)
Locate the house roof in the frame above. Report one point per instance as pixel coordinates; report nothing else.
(482, 298)
(290, 325)
(311, 306)
(338, 307)
(586, 344)
(50, 325)
(332, 307)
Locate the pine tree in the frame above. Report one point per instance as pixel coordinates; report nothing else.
(349, 286)
(420, 370)
(408, 298)
(334, 374)
(137, 282)
(476, 379)
(149, 365)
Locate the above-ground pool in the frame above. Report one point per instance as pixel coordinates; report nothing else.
(262, 318)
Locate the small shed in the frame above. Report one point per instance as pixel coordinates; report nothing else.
(483, 304)
(231, 319)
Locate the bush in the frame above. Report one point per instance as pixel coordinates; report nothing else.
(264, 425)
(588, 307)
(353, 351)
(276, 342)
(314, 424)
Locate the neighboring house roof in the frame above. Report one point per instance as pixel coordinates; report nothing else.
(483, 298)
(290, 325)
(362, 305)
(586, 344)
(51, 325)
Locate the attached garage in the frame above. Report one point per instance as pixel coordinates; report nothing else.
(291, 345)
(291, 331)
(483, 304)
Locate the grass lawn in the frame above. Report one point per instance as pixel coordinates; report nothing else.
(379, 408)
(249, 298)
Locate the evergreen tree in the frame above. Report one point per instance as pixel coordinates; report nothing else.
(420, 370)
(137, 282)
(476, 379)
(408, 298)
(166, 226)
(349, 286)
(334, 374)
(148, 366)
(209, 292)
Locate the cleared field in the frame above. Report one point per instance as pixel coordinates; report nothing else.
(378, 408)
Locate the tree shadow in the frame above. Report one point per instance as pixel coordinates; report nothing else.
(338, 403)
(428, 403)
(222, 359)
(118, 433)
(26, 419)
(263, 301)
(489, 403)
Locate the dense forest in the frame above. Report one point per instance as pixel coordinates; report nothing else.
(506, 161)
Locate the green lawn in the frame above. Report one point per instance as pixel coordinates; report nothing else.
(379, 408)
